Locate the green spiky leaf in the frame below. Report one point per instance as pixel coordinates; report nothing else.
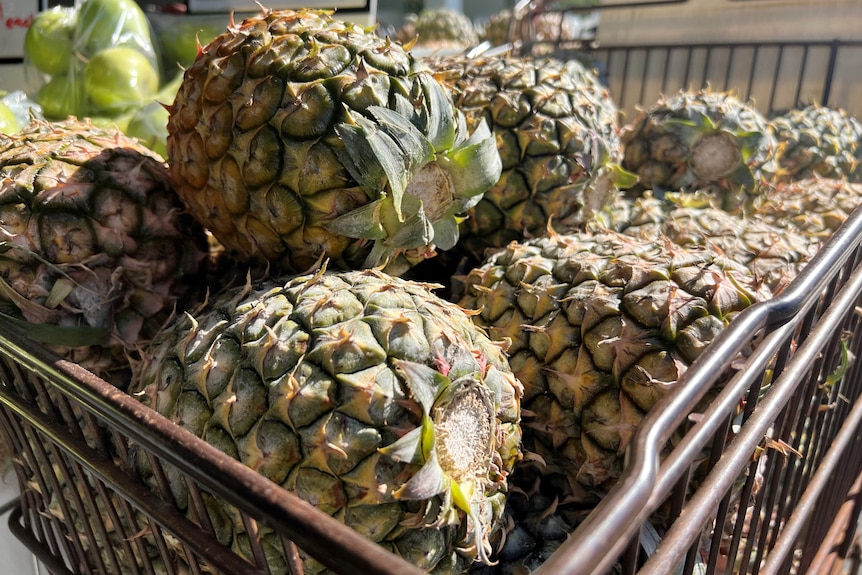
(66, 336)
(425, 483)
(621, 177)
(358, 158)
(438, 115)
(407, 448)
(363, 222)
(399, 147)
(446, 233)
(475, 166)
(424, 382)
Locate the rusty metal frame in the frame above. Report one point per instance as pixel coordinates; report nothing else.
(803, 330)
(68, 427)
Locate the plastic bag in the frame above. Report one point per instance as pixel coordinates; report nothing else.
(95, 59)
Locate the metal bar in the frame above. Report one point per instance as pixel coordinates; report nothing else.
(806, 505)
(626, 54)
(331, 542)
(664, 73)
(122, 484)
(734, 459)
(801, 78)
(754, 56)
(647, 54)
(594, 545)
(830, 72)
(55, 564)
(847, 516)
(772, 89)
(706, 62)
(607, 5)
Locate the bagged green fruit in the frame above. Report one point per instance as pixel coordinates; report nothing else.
(149, 125)
(106, 23)
(48, 42)
(8, 121)
(63, 96)
(95, 60)
(120, 78)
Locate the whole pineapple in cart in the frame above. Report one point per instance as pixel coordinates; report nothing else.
(817, 141)
(557, 133)
(814, 207)
(362, 393)
(771, 249)
(97, 247)
(295, 137)
(438, 30)
(704, 142)
(601, 326)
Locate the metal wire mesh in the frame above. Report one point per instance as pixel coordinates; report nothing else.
(85, 508)
(738, 489)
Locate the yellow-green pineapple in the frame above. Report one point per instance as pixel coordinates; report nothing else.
(700, 141)
(365, 394)
(601, 327)
(295, 136)
(817, 141)
(439, 29)
(556, 128)
(97, 249)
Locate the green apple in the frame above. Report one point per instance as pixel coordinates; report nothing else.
(8, 122)
(48, 41)
(62, 96)
(119, 78)
(106, 23)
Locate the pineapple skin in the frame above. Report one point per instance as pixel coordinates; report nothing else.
(557, 133)
(773, 251)
(601, 327)
(334, 386)
(97, 241)
(276, 146)
(814, 207)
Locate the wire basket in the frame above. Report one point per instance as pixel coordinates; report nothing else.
(781, 435)
(780, 493)
(83, 509)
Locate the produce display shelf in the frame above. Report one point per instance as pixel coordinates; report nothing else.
(751, 465)
(776, 494)
(70, 433)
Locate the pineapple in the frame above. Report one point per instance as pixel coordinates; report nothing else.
(363, 393)
(813, 207)
(557, 134)
(701, 141)
(774, 253)
(817, 141)
(601, 326)
(439, 29)
(524, 27)
(97, 248)
(296, 137)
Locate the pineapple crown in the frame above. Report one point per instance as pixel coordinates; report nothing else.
(418, 167)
